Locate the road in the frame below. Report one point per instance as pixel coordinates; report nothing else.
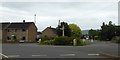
(32, 50)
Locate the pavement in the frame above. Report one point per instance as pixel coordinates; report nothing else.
(32, 50)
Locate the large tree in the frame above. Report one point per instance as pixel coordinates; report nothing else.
(67, 30)
(107, 31)
(75, 30)
(117, 30)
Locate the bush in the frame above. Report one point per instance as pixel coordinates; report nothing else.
(16, 41)
(47, 40)
(64, 40)
(116, 39)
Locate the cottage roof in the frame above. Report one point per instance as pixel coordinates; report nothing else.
(16, 25)
(4, 25)
(53, 29)
(20, 25)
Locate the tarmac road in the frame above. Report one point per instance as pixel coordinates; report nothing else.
(32, 50)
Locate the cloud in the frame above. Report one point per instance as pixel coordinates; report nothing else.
(85, 14)
(59, 0)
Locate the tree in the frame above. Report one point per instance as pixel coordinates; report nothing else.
(107, 31)
(117, 31)
(93, 34)
(75, 30)
(67, 30)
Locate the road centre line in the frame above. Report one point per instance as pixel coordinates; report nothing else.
(67, 55)
(94, 54)
(39, 55)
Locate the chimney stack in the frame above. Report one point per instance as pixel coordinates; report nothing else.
(23, 21)
(50, 26)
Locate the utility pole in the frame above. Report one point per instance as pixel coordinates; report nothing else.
(63, 30)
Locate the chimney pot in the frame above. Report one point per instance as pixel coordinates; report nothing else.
(24, 21)
(50, 26)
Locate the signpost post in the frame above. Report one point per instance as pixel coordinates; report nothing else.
(74, 42)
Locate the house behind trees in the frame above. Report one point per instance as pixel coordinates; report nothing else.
(49, 32)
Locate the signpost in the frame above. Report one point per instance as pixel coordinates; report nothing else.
(74, 42)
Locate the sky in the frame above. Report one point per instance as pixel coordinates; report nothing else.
(86, 15)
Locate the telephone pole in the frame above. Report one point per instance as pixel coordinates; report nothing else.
(63, 30)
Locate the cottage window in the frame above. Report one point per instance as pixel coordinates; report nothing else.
(12, 30)
(23, 38)
(8, 38)
(15, 30)
(23, 30)
(8, 30)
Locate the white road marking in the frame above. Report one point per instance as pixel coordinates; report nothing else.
(13, 55)
(67, 55)
(94, 54)
(4, 55)
(61, 46)
(39, 55)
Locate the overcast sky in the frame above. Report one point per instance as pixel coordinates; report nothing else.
(86, 15)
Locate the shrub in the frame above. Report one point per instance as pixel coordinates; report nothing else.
(62, 40)
(16, 41)
(47, 40)
(116, 39)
